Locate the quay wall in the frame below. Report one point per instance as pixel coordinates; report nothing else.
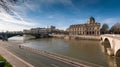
(84, 37)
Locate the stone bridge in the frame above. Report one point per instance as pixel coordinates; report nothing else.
(6, 35)
(111, 44)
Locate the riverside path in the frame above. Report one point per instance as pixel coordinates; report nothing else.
(38, 60)
(33, 58)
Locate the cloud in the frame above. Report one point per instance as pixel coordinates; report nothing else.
(8, 22)
(68, 2)
(4, 26)
(111, 21)
(10, 19)
(51, 16)
(24, 14)
(16, 21)
(48, 3)
(90, 1)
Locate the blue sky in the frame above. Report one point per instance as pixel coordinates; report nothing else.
(60, 13)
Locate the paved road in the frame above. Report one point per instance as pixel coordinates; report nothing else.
(33, 58)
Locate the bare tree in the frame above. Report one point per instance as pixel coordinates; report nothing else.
(104, 28)
(115, 28)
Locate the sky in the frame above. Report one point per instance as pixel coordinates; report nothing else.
(59, 13)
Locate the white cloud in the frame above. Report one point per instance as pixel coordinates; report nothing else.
(17, 21)
(51, 2)
(51, 16)
(57, 1)
(111, 21)
(10, 19)
(5, 26)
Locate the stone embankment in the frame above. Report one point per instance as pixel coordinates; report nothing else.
(86, 37)
(65, 59)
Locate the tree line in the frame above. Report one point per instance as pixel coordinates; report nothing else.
(115, 29)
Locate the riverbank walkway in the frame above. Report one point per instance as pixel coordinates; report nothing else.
(68, 60)
(14, 60)
(40, 58)
(34, 59)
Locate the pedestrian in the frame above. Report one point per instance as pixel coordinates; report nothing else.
(19, 46)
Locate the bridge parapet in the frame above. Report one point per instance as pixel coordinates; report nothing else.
(112, 35)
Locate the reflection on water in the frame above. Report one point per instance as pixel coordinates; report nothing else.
(87, 50)
(117, 61)
(16, 39)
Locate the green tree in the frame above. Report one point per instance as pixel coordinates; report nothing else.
(104, 29)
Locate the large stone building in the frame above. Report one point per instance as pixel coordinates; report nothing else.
(89, 28)
(51, 30)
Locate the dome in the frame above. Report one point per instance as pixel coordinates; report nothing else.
(91, 20)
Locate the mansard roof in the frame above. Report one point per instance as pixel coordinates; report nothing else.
(91, 20)
(77, 25)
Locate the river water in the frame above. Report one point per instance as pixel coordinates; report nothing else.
(87, 50)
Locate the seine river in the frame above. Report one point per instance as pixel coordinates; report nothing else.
(87, 50)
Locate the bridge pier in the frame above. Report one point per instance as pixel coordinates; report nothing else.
(101, 42)
(110, 52)
(107, 47)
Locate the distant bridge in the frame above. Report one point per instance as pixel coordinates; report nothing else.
(6, 35)
(38, 35)
(111, 44)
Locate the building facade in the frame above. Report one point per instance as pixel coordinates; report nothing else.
(51, 30)
(89, 28)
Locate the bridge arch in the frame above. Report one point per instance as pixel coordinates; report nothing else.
(111, 45)
(118, 53)
(106, 44)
